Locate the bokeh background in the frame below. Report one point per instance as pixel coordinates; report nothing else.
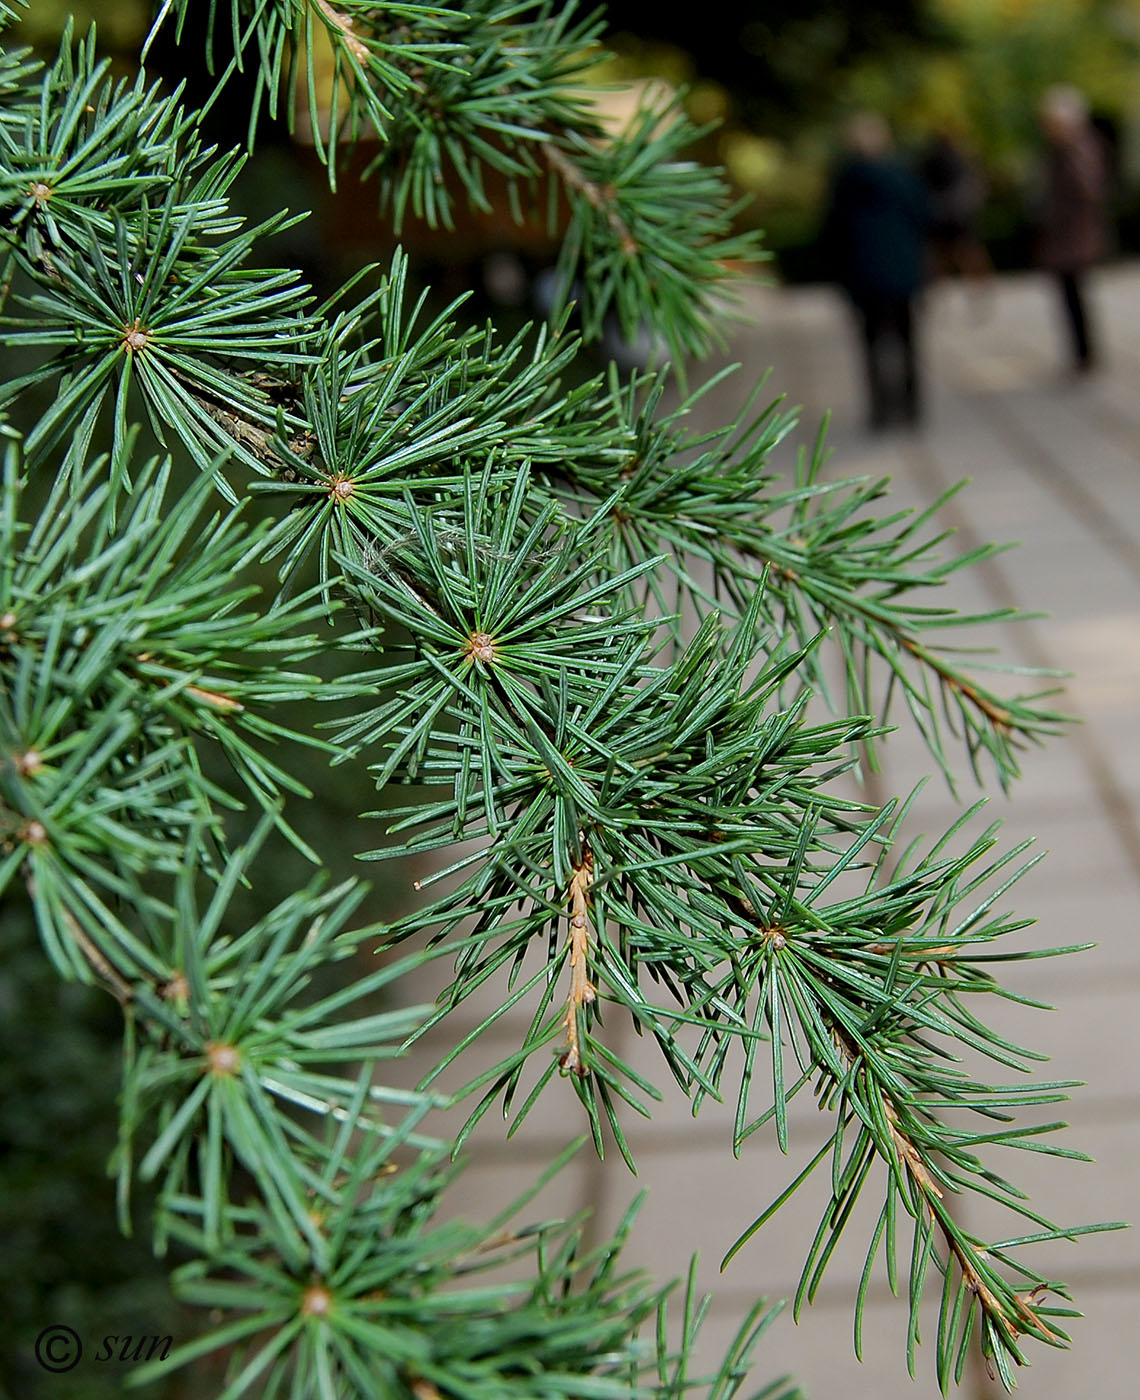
(775, 79)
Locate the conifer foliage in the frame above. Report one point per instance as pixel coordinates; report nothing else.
(581, 637)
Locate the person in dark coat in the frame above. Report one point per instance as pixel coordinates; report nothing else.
(874, 235)
(1074, 230)
(956, 196)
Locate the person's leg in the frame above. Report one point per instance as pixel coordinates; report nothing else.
(974, 259)
(872, 325)
(1072, 297)
(978, 274)
(905, 323)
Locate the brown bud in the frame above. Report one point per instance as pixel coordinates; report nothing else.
(316, 1301)
(222, 1059)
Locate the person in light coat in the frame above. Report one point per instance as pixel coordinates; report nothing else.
(1073, 231)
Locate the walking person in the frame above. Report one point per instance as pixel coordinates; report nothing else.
(955, 196)
(1073, 231)
(874, 236)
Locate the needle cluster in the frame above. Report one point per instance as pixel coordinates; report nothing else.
(577, 647)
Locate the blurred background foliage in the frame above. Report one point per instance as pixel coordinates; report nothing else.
(781, 75)
(778, 77)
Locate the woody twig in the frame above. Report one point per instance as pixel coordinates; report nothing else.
(582, 990)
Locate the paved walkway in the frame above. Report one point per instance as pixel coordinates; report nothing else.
(1056, 467)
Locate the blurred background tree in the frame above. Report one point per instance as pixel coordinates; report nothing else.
(778, 77)
(781, 77)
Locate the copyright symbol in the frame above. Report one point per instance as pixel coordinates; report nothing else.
(58, 1348)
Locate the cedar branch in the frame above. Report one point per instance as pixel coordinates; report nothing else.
(997, 714)
(597, 196)
(115, 982)
(985, 704)
(911, 1156)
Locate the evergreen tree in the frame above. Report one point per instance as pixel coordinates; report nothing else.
(584, 640)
